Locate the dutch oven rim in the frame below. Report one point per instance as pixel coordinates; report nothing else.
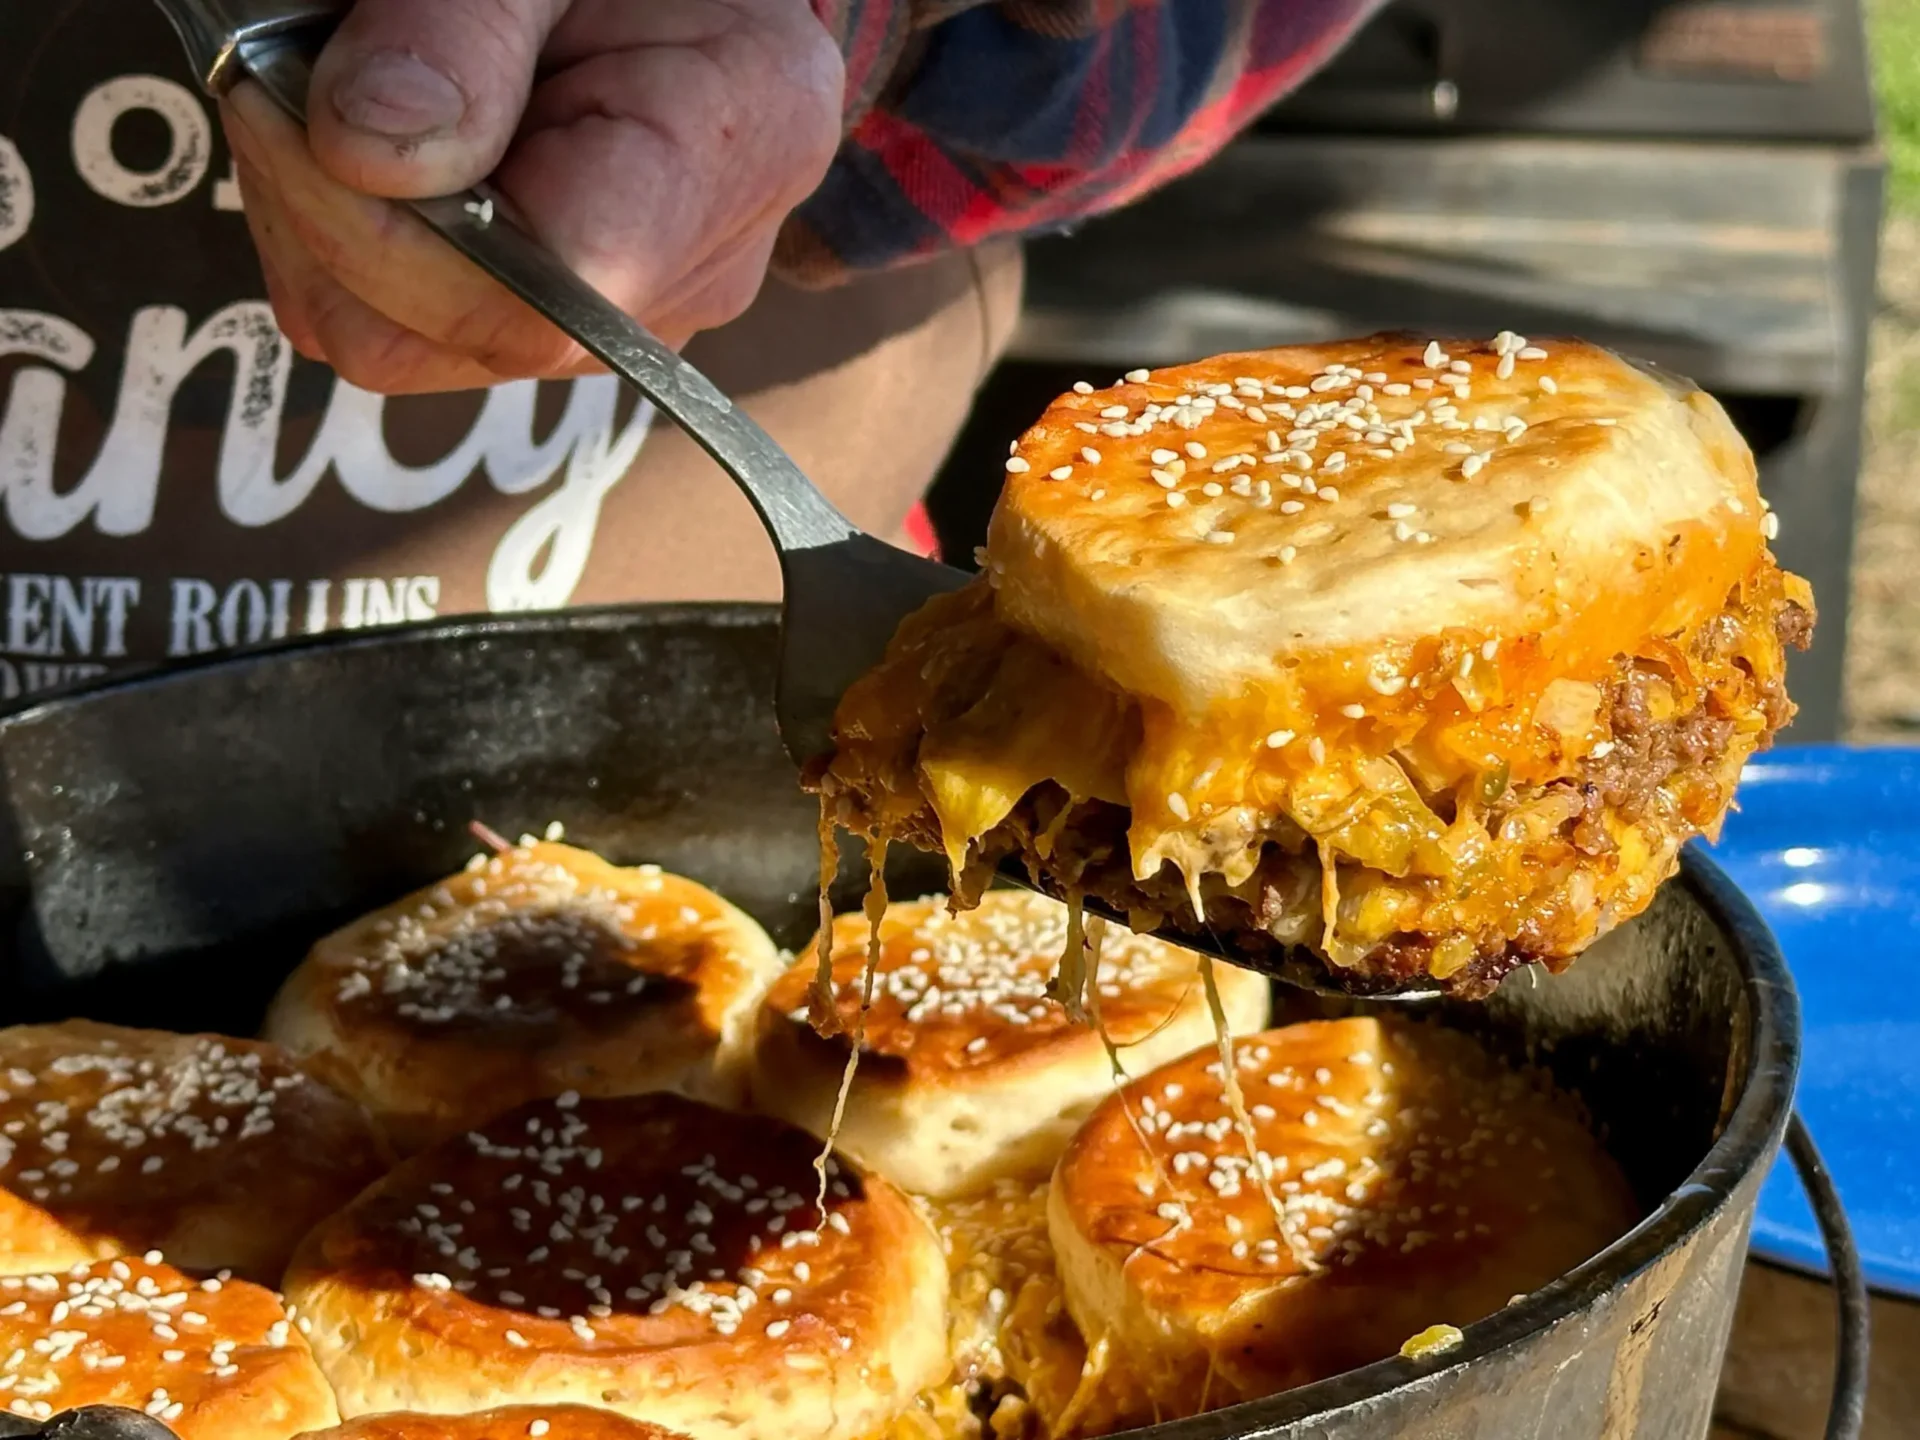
(1752, 1131)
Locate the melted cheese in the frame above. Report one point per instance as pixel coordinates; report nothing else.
(875, 909)
(1208, 794)
(1039, 720)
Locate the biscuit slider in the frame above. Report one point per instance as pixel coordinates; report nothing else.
(536, 970)
(220, 1153)
(210, 1359)
(1400, 1179)
(650, 1255)
(1420, 658)
(970, 1071)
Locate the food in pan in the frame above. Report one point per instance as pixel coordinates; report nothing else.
(221, 1153)
(652, 1255)
(1406, 1181)
(509, 1422)
(1017, 1358)
(211, 1359)
(653, 1267)
(538, 969)
(970, 1070)
(1423, 657)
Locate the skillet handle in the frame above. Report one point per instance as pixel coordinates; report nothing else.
(1847, 1411)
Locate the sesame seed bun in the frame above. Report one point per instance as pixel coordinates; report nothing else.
(1623, 463)
(1424, 657)
(221, 1153)
(970, 1073)
(1421, 1182)
(509, 1422)
(535, 971)
(651, 1255)
(213, 1360)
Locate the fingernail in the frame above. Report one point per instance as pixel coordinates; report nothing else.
(399, 96)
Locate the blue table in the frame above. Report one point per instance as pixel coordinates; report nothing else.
(1827, 845)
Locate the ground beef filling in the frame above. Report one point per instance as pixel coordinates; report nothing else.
(1671, 775)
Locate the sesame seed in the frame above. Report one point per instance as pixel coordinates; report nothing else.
(1060, 472)
(1177, 803)
(1471, 466)
(1196, 450)
(1770, 525)
(1532, 352)
(1081, 387)
(1434, 357)
(1400, 510)
(1164, 457)
(1354, 712)
(1137, 377)
(1017, 466)
(1327, 492)
(1317, 750)
(1548, 384)
(1090, 455)
(1114, 412)
(1176, 500)
(538, 1428)
(1220, 537)
(1278, 738)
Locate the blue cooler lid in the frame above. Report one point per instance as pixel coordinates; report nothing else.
(1826, 843)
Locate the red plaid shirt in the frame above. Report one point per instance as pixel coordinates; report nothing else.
(971, 119)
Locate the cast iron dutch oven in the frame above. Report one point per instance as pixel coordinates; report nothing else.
(170, 845)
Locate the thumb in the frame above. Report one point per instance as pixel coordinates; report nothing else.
(416, 98)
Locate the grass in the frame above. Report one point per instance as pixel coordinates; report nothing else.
(1894, 35)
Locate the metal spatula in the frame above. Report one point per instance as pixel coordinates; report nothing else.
(846, 591)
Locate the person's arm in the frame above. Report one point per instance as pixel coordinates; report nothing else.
(661, 150)
(1023, 117)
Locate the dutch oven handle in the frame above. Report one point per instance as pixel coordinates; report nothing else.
(1847, 1411)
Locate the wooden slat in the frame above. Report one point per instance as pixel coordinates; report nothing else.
(1719, 261)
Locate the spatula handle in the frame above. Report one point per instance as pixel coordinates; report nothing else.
(275, 43)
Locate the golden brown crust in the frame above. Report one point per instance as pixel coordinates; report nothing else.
(507, 1422)
(651, 1254)
(1479, 503)
(969, 1070)
(534, 971)
(962, 998)
(221, 1153)
(1420, 1181)
(214, 1360)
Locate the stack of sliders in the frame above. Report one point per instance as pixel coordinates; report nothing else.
(1418, 658)
(1033, 1226)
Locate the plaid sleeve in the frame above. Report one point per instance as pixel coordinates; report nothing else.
(1023, 116)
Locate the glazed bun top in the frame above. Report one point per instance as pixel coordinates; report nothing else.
(1309, 516)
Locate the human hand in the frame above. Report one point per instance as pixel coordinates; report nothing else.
(655, 147)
